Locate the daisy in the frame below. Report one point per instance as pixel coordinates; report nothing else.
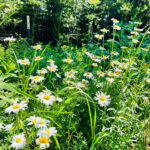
(115, 53)
(33, 120)
(103, 100)
(88, 75)
(70, 82)
(134, 33)
(85, 81)
(124, 47)
(68, 60)
(104, 30)
(95, 64)
(94, 58)
(58, 99)
(74, 71)
(46, 98)
(18, 141)
(37, 47)
(123, 65)
(14, 100)
(110, 80)
(148, 71)
(99, 85)
(148, 80)
(16, 107)
(47, 131)
(99, 36)
(114, 20)
(32, 84)
(43, 142)
(69, 75)
(42, 123)
(100, 73)
(52, 68)
(110, 73)
(137, 29)
(43, 71)
(105, 57)
(80, 85)
(115, 62)
(116, 74)
(9, 127)
(36, 79)
(51, 61)
(139, 23)
(38, 58)
(135, 41)
(23, 61)
(116, 27)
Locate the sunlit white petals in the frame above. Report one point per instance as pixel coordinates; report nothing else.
(99, 36)
(52, 68)
(68, 60)
(88, 75)
(110, 80)
(38, 58)
(48, 132)
(23, 61)
(69, 75)
(37, 79)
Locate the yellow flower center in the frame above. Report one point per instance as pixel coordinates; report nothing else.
(42, 122)
(116, 62)
(44, 140)
(109, 79)
(46, 97)
(23, 61)
(18, 140)
(6, 93)
(40, 71)
(47, 131)
(34, 121)
(38, 58)
(88, 73)
(36, 47)
(68, 60)
(70, 82)
(36, 77)
(93, 57)
(69, 74)
(111, 73)
(104, 57)
(10, 128)
(102, 98)
(16, 106)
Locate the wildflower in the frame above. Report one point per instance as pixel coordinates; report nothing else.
(114, 20)
(137, 29)
(88, 75)
(110, 80)
(110, 73)
(145, 49)
(99, 85)
(115, 53)
(18, 141)
(68, 60)
(80, 85)
(116, 27)
(37, 47)
(10, 39)
(23, 61)
(16, 107)
(94, 64)
(124, 47)
(115, 62)
(43, 142)
(14, 100)
(52, 68)
(51, 61)
(85, 81)
(104, 30)
(135, 41)
(134, 33)
(9, 127)
(36, 79)
(32, 84)
(123, 65)
(100, 73)
(46, 98)
(103, 100)
(33, 120)
(42, 71)
(38, 58)
(148, 80)
(105, 57)
(139, 23)
(47, 131)
(74, 71)
(59, 76)
(42, 123)
(69, 75)
(148, 71)
(99, 36)
(94, 58)
(70, 82)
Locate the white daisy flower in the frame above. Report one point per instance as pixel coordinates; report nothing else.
(104, 30)
(100, 73)
(46, 98)
(33, 120)
(135, 41)
(88, 75)
(99, 36)
(37, 47)
(85, 81)
(16, 107)
(43, 142)
(42, 71)
(148, 80)
(115, 62)
(68, 60)
(74, 71)
(69, 75)
(116, 27)
(36, 79)
(99, 85)
(47, 132)
(123, 65)
(51, 61)
(124, 47)
(9, 127)
(32, 84)
(110, 80)
(70, 82)
(103, 99)
(105, 57)
(95, 58)
(137, 29)
(148, 71)
(115, 53)
(18, 141)
(134, 33)
(95, 64)
(38, 58)
(42, 123)
(23, 61)
(80, 85)
(52, 68)
(114, 20)
(110, 73)
(14, 100)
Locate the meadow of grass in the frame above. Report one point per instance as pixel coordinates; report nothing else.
(95, 97)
